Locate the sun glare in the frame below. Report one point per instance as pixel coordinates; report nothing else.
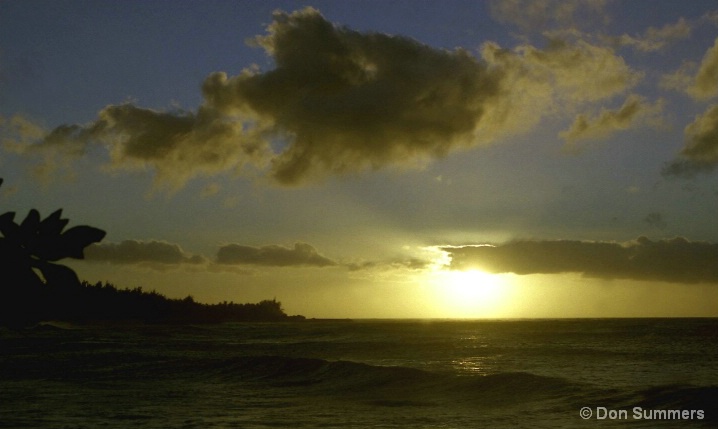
(471, 293)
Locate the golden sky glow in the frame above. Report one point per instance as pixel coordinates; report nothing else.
(471, 293)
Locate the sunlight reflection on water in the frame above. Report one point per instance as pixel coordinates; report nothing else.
(473, 366)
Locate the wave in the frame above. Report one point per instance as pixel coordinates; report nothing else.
(382, 386)
(390, 386)
(285, 371)
(397, 386)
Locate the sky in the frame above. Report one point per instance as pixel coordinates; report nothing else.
(372, 159)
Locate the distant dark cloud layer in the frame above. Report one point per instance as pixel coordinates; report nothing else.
(137, 252)
(677, 260)
(163, 255)
(302, 254)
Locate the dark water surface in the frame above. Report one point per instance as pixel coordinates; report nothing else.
(363, 374)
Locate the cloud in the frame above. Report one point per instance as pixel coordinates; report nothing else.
(705, 84)
(635, 110)
(339, 101)
(564, 74)
(700, 150)
(348, 101)
(20, 136)
(343, 101)
(398, 263)
(153, 253)
(163, 255)
(20, 129)
(655, 39)
(176, 145)
(700, 81)
(677, 260)
(301, 254)
(540, 15)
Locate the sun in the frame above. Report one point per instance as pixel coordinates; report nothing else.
(471, 293)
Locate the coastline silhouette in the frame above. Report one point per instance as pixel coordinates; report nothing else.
(36, 288)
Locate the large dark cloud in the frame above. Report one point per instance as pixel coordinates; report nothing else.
(677, 260)
(339, 101)
(349, 100)
(301, 254)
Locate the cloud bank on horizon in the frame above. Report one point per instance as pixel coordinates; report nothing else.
(163, 255)
(302, 254)
(153, 253)
(676, 260)
(340, 101)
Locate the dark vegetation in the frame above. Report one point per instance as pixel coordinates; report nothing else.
(36, 288)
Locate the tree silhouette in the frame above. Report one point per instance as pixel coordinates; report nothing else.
(33, 287)
(28, 252)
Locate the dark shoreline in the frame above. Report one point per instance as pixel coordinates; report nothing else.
(106, 304)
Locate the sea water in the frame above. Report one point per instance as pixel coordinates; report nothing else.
(602, 373)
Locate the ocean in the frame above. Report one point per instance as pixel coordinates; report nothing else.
(603, 373)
